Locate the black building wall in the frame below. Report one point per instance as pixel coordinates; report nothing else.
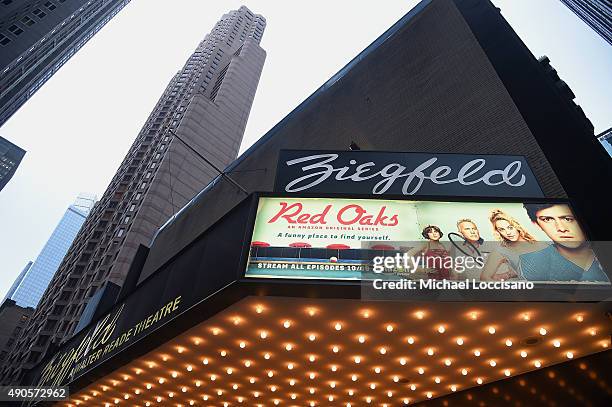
(427, 84)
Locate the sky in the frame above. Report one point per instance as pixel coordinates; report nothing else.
(78, 127)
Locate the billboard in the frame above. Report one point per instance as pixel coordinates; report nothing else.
(345, 239)
(405, 173)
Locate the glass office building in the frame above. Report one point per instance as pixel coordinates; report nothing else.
(36, 279)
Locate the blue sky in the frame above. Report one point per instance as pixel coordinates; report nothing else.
(79, 126)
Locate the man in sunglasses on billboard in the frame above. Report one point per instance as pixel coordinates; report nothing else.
(570, 257)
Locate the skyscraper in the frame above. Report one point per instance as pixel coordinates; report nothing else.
(605, 138)
(596, 13)
(10, 157)
(34, 282)
(38, 37)
(196, 127)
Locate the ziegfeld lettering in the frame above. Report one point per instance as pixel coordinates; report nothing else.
(319, 168)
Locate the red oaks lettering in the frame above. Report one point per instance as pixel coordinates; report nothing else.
(347, 215)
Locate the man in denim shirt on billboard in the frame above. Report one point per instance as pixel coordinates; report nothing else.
(570, 257)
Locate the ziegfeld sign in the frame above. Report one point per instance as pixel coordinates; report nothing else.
(403, 173)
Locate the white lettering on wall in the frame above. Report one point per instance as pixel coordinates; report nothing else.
(319, 168)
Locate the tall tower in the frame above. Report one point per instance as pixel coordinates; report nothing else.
(204, 109)
(10, 158)
(35, 280)
(37, 37)
(596, 13)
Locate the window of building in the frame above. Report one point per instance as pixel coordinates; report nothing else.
(39, 13)
(4, 39)
(27, 21)
(120, 232)
(50, 5)
(148, 175)
(137, 197)
(132, 207)
(15, 29)
(126, 219)
(143, 185)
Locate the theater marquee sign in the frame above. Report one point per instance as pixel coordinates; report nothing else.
(405, 173)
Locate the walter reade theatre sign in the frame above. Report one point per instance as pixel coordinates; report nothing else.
(405, 173)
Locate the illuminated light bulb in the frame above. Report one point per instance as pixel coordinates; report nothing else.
(242, 345)
(579, 318)
(413, 387)
(406, 401)
(215, 331)
(448, 362)
(236, 321)
(247, 363)
(523, 354)
(148, 387)
(290, 366)
(537, 363)
(479, 380)
(389, 394)
(147, 404)
(180, 350)
(351, 392)
(382, 351)
(331, 398)
(229, 371)
(252, 380)
(287, 324)
(453, 388)
(288, 347)
(270, 373)
(332, 385)
(136, 391)
(377, 369)
(507, 372)
(312, 404)
(276, 402)
(165, 358)
(556, 343)
(492, 363)
(372, 386)
(205, 397)
(419, 314)
(311, 311)
(256, 394)
(189, 368)
(184, 389)
(198, 383)
(354, 378)
(267, 356)
(159, 399)
(334, 368)
(410, 340)
(335, 349)
(437, 380)
(311, 391)
(441, 329)
(293, 396)
(430, 351)
(240, 399)
(421, 370)
(491, 330)
(213, 377)
(312, 337)
(543, 331)
(338, 326)
(126, 396)
(459, 341)
(389, 328)
(259, 309)
(593, 332)
(403, 361)
(205, 362)
(569, 355)
(464, 372)
(291, 382)
(396, 379)
(171, 394)
(508, 342)
(263, 334)
(368, 400)
(357, 359)
(311, 375)
(161, 381)
(429, 395)
(361, 339)
(474, 315)
(174, 375)
(311, 358)
(273, 388)
(223, 353)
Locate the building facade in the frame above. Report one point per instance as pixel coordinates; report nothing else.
(596, 13)
(195, 128)
(605, 139)
(31, 286)
(18, 280)
(38, 37)
(13, 319)
(10, 157)
(451, 78)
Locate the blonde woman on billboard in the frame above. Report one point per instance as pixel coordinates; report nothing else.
(503, 263)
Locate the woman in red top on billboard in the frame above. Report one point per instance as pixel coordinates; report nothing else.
(434, 256)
